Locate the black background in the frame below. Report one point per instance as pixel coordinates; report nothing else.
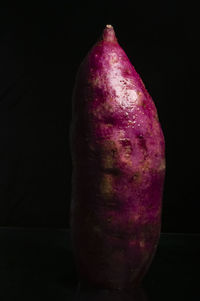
(41, 48)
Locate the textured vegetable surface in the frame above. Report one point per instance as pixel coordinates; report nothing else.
(118, 156)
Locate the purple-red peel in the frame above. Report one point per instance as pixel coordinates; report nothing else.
(118, 156)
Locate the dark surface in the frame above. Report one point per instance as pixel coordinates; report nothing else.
(41, 49)
(37, 264)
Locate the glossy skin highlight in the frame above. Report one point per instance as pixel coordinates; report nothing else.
(118, 156)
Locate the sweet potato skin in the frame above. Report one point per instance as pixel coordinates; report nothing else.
(118, 158)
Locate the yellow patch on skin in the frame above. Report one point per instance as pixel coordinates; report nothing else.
(106, 107)
(113, 59)
(96, 112)
(94, 82)
(108, 154)
(106, 186)
(108, 161)
(140, 98)
(125, 152)
(102, 108)
(120, 133)
(162, 165)
(156, 126)
(156, 116)
(146, 165)
(126, 160)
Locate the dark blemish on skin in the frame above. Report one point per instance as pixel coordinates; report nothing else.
(127, 146)
(125, 142)
(112, 203)
(110, 119)
(112, 171)
(136, 177)
(142, 141)
(114, 152)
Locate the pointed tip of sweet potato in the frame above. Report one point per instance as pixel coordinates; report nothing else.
(109, 34)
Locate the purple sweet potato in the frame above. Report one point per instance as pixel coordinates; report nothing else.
(118, 158)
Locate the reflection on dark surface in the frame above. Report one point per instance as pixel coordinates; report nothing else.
(109, 295)
(37, 264)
